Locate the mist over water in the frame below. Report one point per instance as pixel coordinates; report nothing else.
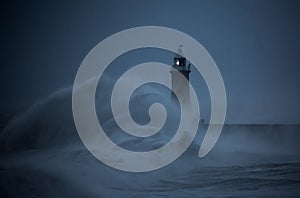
(255, 45)
(41, 152)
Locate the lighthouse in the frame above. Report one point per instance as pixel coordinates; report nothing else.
(179, 86)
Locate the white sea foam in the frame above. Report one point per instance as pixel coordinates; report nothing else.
(42, 147)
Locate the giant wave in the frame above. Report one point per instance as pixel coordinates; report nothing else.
(42, 154)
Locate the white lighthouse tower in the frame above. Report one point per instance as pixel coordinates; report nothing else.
(179, 86)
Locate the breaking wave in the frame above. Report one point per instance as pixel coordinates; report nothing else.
(41, 146)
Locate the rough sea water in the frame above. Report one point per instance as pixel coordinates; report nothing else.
(43, 156)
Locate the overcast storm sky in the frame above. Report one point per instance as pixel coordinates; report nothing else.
(255, 44)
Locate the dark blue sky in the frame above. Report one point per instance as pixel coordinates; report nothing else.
(255, 44)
